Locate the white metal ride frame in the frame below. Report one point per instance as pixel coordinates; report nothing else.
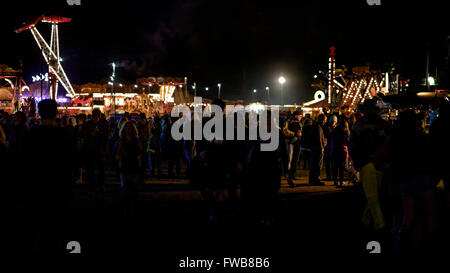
(53, 60)
(51, 53)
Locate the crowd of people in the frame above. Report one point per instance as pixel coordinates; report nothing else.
(396, 163)
(323, 142)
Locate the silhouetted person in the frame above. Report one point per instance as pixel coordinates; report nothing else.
(367, 138)
(306, 151)
(317, 143)
(143, 127)
(175, 153)
(47, 181)
(114, 142)
(284, 156)
(154, 148)
(262, 177)
(412, 166)
(5, 121)
(339, 151)
(328, 132)
(217, 163)
(129, 155)
(94, 134)
(293, 133)
(17, 135)
(32, 112)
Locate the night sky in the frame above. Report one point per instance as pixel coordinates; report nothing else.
(244, 45)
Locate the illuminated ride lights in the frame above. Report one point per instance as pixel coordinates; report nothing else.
(318, 96)
(349, 91)
(51, 52)
(357, 91)
(368, 90)
(331, 71)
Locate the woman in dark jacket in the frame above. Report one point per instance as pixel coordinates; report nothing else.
(339, 151)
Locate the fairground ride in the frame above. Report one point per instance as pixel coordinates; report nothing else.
(348, 89)
(51, 52)
(12, 85)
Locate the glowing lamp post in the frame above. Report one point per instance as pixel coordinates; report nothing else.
(281, 80)
(219, 85)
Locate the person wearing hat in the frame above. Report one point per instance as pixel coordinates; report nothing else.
(293, 133)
